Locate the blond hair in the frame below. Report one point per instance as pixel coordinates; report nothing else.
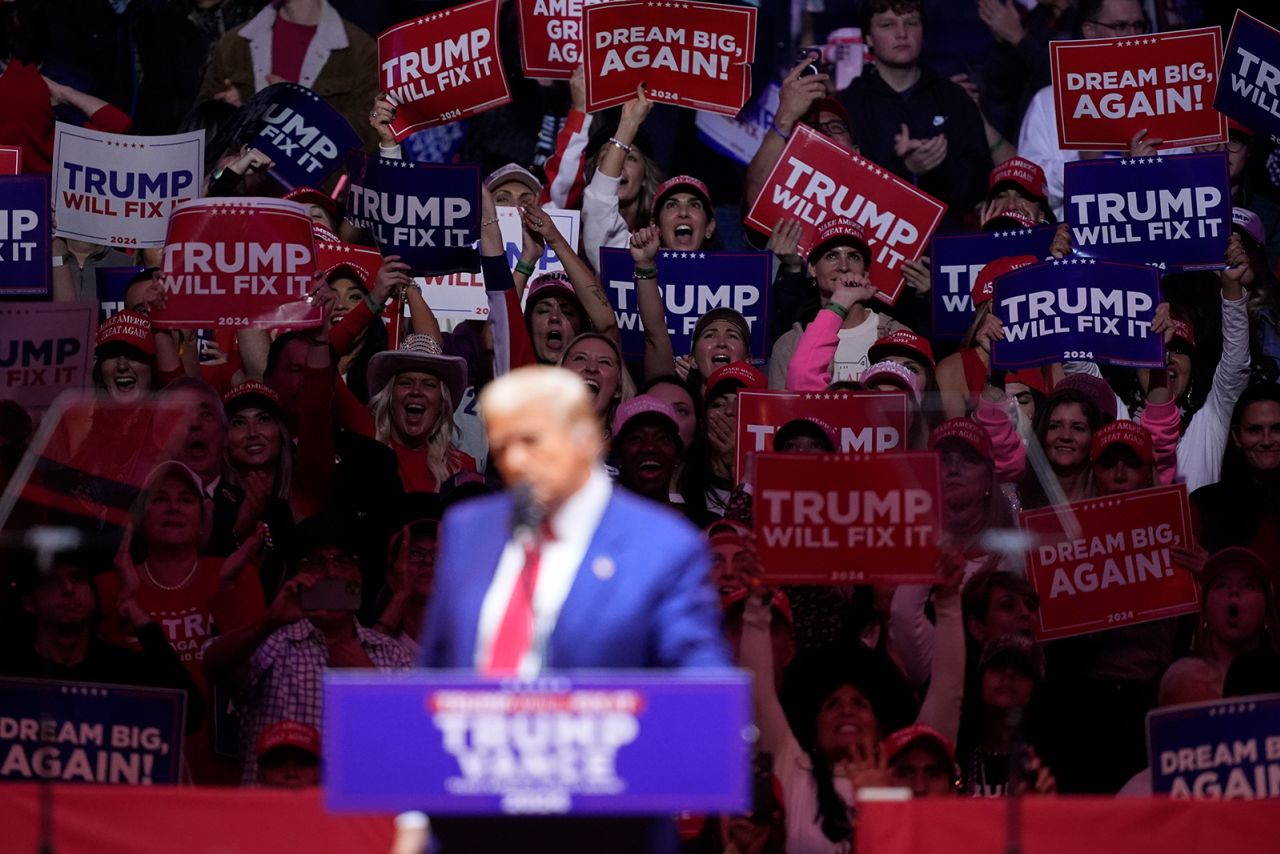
(439, 441)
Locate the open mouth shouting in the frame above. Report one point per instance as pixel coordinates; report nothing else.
(682, 237)
(555, 340)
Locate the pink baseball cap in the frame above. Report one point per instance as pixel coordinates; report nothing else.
(891, 372)
(644, 404)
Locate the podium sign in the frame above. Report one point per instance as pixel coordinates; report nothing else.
(453, 743)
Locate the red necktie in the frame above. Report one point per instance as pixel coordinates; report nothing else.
(515, 632)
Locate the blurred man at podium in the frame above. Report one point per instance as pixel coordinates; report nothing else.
(564, 572)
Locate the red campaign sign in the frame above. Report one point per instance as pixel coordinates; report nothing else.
(695, 55)
(550, 38)
(1106, 90)
(1114, 569)
(237, 263)
(815, 180)
(443, 67)
(364, 259)
(866, 422)
(10, 160)
(836, 519)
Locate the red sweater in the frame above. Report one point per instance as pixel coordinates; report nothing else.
(27, 118)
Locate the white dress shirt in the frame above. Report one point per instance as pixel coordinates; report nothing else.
(573, 525)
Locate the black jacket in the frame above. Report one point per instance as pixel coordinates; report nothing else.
(934, 105)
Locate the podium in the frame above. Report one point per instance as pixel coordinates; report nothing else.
(638, 743)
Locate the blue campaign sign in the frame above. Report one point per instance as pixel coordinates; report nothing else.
(86, 733)
(958, 259)
(1226, 749)
(450, 743)
(24, 236)
(1077, 309)
(1172, 211)
(1247, 89)
(428, 215)
(112, 284)
(305, 138)
(692, 284)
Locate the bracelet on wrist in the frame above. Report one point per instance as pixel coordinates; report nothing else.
(773, 126)
(524, 268)
(995, 146)
(840, 310)
(626, 149)
(485, 223)
(646, 273)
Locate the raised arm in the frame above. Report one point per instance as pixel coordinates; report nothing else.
(585, 284)
(757, 657)
(794, 100)
(659, 356)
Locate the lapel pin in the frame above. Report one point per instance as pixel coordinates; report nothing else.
(603, 568)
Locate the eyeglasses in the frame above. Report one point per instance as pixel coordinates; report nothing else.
(1124, 28)
(1235, 146)
(834, 127)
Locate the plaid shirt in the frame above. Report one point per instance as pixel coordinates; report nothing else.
(286, 681)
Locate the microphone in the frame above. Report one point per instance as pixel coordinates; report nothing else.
(527, 515)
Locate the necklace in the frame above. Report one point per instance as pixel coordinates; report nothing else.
(146, 567)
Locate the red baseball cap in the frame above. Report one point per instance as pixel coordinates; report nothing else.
(1011, 218)
(288, 734)
(796, 426)
(1032, 378)
(682, 183)
(1129, 433)
(902, 341)
(726, 531)
(250, 393)
(841, 231)
(741, 373)
(554, 283)
(897, 742)
(129, 328)
(985, 286)
(1183, 331)
(1235, 126)
(1022, 173)
(965, 430)
(312, 196)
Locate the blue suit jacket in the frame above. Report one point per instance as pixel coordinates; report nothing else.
(655, 609)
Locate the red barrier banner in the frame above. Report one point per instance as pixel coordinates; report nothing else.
(1112, 566)
(815, 180)
(1106, 90)
(1067, 825)
(836, 519)
(443, 67)
(695, 55)
(10, 160)
(550, 38)
(859, 422)
(237, 263)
